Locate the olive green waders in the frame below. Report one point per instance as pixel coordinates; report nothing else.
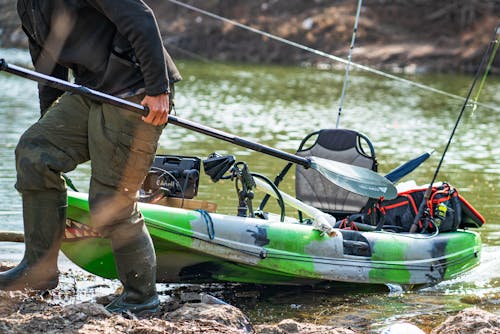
(121, 148)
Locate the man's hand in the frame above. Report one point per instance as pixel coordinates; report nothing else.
(158, 109)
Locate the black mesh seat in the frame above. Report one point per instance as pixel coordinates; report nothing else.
(347, 146)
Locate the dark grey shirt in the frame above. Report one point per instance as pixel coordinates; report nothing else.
(113, 46)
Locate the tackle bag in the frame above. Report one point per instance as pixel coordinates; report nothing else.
(446, 211)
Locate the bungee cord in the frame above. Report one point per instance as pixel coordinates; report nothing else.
(329, 56)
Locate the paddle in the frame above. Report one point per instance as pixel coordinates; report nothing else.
(10, 236)
(355, 179)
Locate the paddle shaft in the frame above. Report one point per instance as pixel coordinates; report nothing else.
(9, 236)
(109, 99)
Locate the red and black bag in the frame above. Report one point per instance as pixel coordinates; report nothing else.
(446, 211)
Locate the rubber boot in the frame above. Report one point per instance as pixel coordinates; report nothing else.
(44, 223)
(136, 266)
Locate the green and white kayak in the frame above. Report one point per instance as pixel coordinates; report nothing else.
(194, 246)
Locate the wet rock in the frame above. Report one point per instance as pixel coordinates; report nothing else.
(482, 301)
(472, 299)
(209, 299)
(206, 314)
(470, 321)
(80, 312)
(289, 326)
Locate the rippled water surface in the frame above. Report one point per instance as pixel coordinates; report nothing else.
(277, 106)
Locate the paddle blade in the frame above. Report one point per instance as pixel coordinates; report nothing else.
(356, 179)
(406, 168)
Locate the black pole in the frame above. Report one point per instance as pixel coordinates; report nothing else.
(428, 192)
(105, 98)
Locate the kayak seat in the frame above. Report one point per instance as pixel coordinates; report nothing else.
(342, 145)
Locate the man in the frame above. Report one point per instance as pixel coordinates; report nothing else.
(113, 46)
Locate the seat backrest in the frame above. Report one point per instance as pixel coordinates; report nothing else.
(347, 146)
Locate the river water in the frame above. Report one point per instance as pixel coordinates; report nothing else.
(278, 106)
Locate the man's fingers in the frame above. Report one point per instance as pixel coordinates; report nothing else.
(157, 117)
(158, 109)
(161, 117)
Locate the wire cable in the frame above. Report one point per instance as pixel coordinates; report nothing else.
(329, 56)
(346, 76)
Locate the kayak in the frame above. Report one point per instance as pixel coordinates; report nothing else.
(197, 246)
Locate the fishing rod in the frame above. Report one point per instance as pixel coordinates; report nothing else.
(493, 45)
(326, 55)
(359, 180)
(486, 71)
(351, 48)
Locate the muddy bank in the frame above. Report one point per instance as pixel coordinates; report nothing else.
(411, 36)
(35, 313)
(184, 309)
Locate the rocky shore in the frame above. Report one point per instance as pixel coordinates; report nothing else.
(184, 311)
(401, 36)
(33, 313)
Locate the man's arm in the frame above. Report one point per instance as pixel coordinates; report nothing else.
(136, 22)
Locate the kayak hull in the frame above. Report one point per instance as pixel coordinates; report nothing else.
(195, 247)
